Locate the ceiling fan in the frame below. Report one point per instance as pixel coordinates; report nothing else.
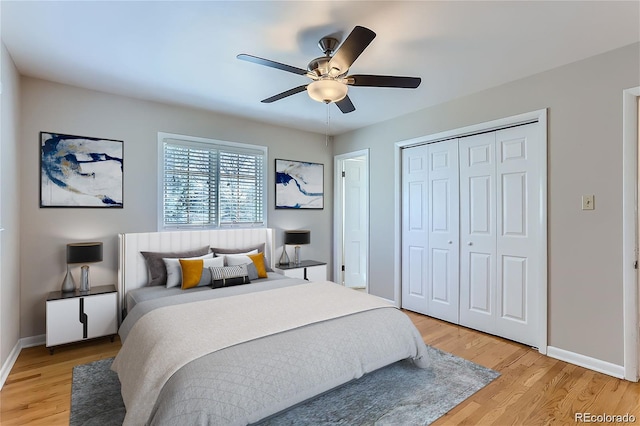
(329, 72)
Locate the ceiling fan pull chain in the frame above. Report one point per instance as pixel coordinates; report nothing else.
(326, 135)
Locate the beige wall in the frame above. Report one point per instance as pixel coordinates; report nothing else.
(584, 157)
(9, 205)
(64, 109)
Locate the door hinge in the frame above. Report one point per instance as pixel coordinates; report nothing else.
(342, 268)
(635, 265)
(343, 174)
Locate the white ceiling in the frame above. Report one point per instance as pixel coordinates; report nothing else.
(184, 52)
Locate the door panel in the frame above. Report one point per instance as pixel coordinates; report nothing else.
(356, 229)
(514, 289)
(478, 232)
(516, 244)
(415, 234)
(443, 279)
(480, 282)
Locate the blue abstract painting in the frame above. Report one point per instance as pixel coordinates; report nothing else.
(299, 185)
(78, 171)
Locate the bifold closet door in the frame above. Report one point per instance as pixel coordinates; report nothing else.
(478, 232)
(499, 259)
(430, 240)
(517, 246)
(443, 217)
(415, 234)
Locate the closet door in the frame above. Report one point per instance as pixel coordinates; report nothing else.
(443, 218)
(518, 203)
(478, 232)
(415, 233)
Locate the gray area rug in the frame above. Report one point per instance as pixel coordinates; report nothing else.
(399, 394)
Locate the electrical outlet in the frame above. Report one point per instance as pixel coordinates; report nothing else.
(587, 202)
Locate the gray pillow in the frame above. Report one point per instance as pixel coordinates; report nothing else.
(259, 247)
(156, 267)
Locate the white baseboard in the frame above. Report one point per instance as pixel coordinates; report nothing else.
(29, 342)
(586, 362)
(26, 342)
(8, 365)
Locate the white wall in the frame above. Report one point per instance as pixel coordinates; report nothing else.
(45, 232)
(585, 157)
(9, 205)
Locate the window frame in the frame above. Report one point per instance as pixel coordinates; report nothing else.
(196, 141)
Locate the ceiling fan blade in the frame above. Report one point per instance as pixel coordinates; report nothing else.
(351, 48)
(345, 105)
(272, 64)
(284, 94)
(384, 81)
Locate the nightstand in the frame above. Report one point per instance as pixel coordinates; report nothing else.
(310, 270)
(77, 316)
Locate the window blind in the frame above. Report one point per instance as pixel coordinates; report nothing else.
(212, 184)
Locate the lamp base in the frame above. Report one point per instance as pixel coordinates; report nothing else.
(284, 257)
(68, 284)
(84, 279)
(297, 255)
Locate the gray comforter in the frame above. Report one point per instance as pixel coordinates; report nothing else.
(247, 382)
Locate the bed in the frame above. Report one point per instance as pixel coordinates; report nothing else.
(239, 354)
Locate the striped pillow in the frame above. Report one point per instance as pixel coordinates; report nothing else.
(226, 276)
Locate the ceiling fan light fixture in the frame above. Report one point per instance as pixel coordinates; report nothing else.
(327, 90)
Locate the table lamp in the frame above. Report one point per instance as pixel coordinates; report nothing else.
(81, 253)
(297, 238)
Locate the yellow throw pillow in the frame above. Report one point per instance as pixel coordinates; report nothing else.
(258, 260)
(191, 272)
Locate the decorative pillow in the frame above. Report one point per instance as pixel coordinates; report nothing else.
(259, 248)
(240, 259)
(155, 266)
(196, 272)
(245, 250)
(226, 276)
(174, 272)
(258, 261)
(223, 255)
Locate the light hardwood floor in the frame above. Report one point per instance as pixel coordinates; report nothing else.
(532, 390)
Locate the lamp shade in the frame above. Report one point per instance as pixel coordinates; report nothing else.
(297, 237)
(84, 252)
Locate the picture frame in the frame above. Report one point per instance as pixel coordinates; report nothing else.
(80, 171)
(299, 185)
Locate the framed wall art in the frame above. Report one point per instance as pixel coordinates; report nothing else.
(299, 185)
(80, 171)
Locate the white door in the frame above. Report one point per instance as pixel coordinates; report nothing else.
(517, 152)
(355, 223)
(478, 232)
(443, 238)
(415, 229)
(499, 259)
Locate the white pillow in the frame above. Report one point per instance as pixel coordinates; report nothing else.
(174, 271)
(255, 251)
(238, 259)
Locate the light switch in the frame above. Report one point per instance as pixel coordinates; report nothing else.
(587, 202)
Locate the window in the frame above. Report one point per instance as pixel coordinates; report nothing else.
(206, 183)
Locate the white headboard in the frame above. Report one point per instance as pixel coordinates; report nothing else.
(132, 268)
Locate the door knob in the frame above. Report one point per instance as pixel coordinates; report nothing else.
(469, 243)
(449, 242)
